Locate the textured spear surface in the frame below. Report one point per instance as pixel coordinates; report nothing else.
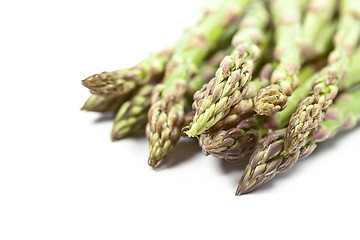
(280, 119)
(239, 132)
(267, 162)
(244, 108)
(101, 103)
(206, 71)
(312, 109)
(96, 103)
(260, 168)
(286, 17)
(125, 81)
(166, 115)
(222, 143)
(235, 71)
(307, 79)
(234, 143)
(132, 116)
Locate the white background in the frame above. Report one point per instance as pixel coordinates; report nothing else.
(62, 178)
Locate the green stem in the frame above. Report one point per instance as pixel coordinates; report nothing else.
(318, 14)
(166, 115)
(234, 73)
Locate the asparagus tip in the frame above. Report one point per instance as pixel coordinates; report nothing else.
(190, 134)
(239, 191)
(116, 135)
(113, 137)
(270, 100)
(190, 131)
(153, 162)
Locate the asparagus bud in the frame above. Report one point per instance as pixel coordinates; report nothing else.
(235, 72)
(166, 114)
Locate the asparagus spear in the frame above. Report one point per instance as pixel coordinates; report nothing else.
(352, 77)
(236, 134)
(235, 71)
(318, 13)
(286, 18)
(268, 156)
(132, 116)
(207, 71)
(244, 108)
(267, 162)
(197, 93)
(312, 109)
(166, 115)
(315, 40)
(274, 142)
(125, 81)
(96, 103)
(280, 119)
(100, 103)
(232, 143)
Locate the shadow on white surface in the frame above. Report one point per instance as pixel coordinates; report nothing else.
(237, 166)
(184, 151)
(104, 117)
(187, 151)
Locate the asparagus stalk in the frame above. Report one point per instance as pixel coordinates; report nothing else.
(207, 71)
(352, 77)
(100, 103)
(260, 169)
(335, 120)
(132, 116)
(286, 18)
(223, 143)
(234, 143)
(312, 109)
(318, 14)
(280, 119)
(197, 93)
(267, 162)
(96, 103)
(125, 81)
(315, 40)
(166, 115)
(244, 108)
(235, 71)
(238, 133)
(274, 142)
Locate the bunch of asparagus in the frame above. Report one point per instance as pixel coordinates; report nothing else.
(265, 79)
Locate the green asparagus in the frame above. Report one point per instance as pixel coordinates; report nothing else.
(312, 109)
(273, 98)
(267, 162)
(125, 81)
(166, 114)
(235, 72)
(96, 103)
